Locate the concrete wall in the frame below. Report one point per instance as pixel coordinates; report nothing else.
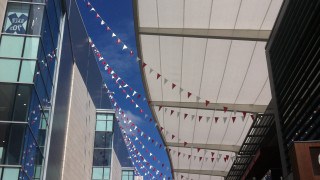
(77, 161)
(3, 5)
(116, 170)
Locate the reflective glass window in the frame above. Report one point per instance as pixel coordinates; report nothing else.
(106, 173)
(103, 139)
(101, 125)
(11, 136)
(102, 157)
(127, 175)
(21, 105)
(7, 44)
(97, 173)
(27, 71)
(31, 47)
(16, 18)
(10, 174)
(9, 70)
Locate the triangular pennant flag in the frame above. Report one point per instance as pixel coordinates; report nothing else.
(192, 117)
(207, 102)
(173, 136)
(172, 111)
(212, 154)
(216, 119)
(224, 119)
(178, 114)
(185, 115)
(189, 156)
(150, 71)
(131, 53)
(92, 9)
(189, 94)
(173, 85)
(158, 75)
(138, 59)
(124, 47)
(179, 154)
(180, 91)
(165, 109)
(212, 159)
(88, 4)
(184, 144)
(200, 117)
(198, 98)
(165, 81)
(208, 118)
(160, 108)
(118, 41)
(234, 112)
(233, 119)
(225, 109)
(244, 114)
(102, 22)
(227, 157)
(200, 158)
(252, 116)
(198, 149)
(108, 28)
(114, 35)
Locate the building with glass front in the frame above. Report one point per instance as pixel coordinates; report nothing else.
(50, 88)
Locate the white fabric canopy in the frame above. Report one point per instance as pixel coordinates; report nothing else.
(206, 51)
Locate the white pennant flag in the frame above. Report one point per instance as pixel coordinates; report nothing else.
(136, 139)
(150, 154)
(102, 22)
(192, 117)
(127, 96)
(112, 72)
(141, 133)
(113, 35)
(150, 71)
(134, 92)
(198, 98)
(178, 114)
(145, 116)
(92, 9)
(165, 81)
(126, 85)
(124, 47)
(208, 118)
(137, 106)
(138, 59)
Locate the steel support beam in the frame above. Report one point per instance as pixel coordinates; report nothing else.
(217, 147)
(202, 172)
(212, 106)
(231, 34)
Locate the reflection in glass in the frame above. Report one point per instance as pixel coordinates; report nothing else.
(21, 104)
(102, 157)
(31, 47)
(9, 70)
(7, 42)
(10, 174)
(103, 140)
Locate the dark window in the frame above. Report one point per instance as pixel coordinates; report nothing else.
(103, 139)
(11, 143)
(102, 157)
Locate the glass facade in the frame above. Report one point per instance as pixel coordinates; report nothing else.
(127, 175)
(28, 48)
(103, 144)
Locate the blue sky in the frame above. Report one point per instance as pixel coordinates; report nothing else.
(119, 16)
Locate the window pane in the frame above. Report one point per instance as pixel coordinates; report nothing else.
(106, 174)
(101, 117)
(27, 71)
(103, 140)
(110, 117)
(9, 70)
(22, 102)
(31, 47)
(1, 150)
(10, 173)
(102, 157)
(97, 173)
(35, 19)
(101, 126)
(109, 126)
(7, 95)
(7, 42)
(16, 18)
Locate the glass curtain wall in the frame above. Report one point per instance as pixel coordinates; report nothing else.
(28, 47)
(103, 146)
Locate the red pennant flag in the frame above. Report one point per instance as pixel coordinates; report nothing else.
(88, 4)
(139, 95)
(152, 140)
(200, 117)
(225, 109)
(108, 28)
(216, 119)
(97, 16)
(131, 53)
(185, 143)
(139, 130)
(141, 111)
(154, 158)
(189, 94)
(118, 41)
(173, 85)
(212, 159)
(189, 156)
(185, 115)
(173, 136)
(144, 65)
(158, 75)
(182, 176)
(161, 128)
(198, 149)
(171, 112)
(227, 157)
(244, 114)
(233, 119)
(179, 154)
(103, 62)
(212, 153)
(200, 158)
(150, 120)
(169, 149)
(160, 108)
(207, 102)
(252, 117)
